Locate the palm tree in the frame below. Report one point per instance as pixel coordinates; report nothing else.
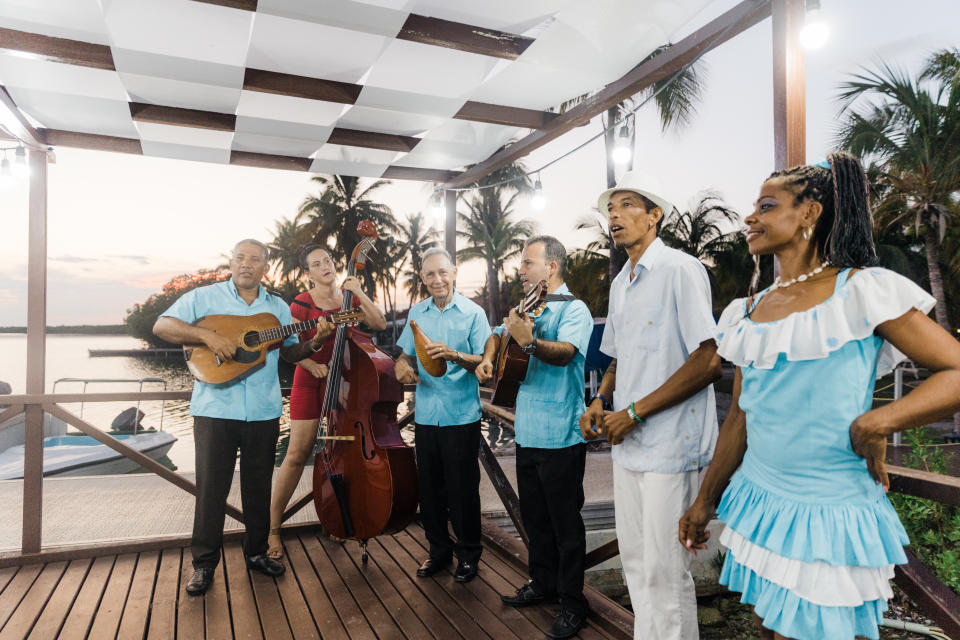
(912, 132)
(493, 237)
(700, 230)
(333, 215)
(289, 236)
(416, 236)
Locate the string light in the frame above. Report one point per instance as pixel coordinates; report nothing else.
(436, 205)
(20, 167)
(538, 201)
(621, 151)
(815, 30)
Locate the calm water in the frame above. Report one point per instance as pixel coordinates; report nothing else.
(68, 357)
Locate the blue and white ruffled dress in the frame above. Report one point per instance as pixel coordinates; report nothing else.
(812, 539)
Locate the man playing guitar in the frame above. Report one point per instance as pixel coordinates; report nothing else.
(551, 454)
(242, 414)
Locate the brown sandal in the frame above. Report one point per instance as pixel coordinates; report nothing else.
(275, 551)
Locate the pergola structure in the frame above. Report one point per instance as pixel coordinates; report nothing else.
(397, 89)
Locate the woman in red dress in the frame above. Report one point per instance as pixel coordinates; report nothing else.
(323, 298)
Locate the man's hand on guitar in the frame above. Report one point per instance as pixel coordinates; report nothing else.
(519, 327)
(221, 347)
(324, 329)
(405, 373)
(316, 369)
(484, 371)
(591, 422)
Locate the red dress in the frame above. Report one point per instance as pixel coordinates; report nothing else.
(305, 397)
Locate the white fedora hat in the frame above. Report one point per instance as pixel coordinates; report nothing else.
(638, 182)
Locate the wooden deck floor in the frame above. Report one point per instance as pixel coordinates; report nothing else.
(327, 592)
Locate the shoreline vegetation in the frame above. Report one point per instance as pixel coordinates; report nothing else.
(77, 329)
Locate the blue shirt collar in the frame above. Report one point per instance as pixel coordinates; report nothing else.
(261, 291)
(454, 302)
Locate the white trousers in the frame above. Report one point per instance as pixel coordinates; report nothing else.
(656, 567)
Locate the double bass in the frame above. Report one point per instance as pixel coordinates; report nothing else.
(364, 475)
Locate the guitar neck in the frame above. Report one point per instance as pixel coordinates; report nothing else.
(280, 333)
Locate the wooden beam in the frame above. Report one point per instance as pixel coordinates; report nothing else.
(726, 26)
(601, 554)
(245, 5)
(503, 488)
(508, 116)
(372, 139)
(936, 599)
(270, 161)
(286, 84)
(463, 37)
(92, 141)
(177, 116)
(9, 412)
(85, 54)
(923, 484)
(14, 122)
(789, 85)
(394, 172)
(450, 223)
(32, 531)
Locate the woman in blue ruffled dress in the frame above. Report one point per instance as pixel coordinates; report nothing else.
(812, 538)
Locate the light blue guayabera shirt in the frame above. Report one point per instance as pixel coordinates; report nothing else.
(454, 398)
(550, 400)
(257, 396)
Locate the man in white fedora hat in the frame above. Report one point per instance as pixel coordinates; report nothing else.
(655, 405)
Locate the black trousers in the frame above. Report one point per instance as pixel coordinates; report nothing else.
(448, 471)
(550, 484)
(217, 441)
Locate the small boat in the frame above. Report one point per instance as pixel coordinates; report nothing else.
(79, 455)
(74, 454)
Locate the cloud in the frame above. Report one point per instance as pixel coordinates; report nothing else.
(73, 259)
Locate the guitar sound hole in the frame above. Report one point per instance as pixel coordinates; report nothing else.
(250, 340)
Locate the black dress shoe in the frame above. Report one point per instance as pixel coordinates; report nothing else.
(526, 596)
(200, 582)
(466, 571)
(566, 624)
(431, 566)
(265, 564)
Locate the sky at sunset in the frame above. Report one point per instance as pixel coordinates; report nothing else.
(120, 226)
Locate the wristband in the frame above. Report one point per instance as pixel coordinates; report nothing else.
(633, 414)
(603, 401)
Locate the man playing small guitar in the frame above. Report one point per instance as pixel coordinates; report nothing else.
(551, 454)
(243, 414)
(447, 420)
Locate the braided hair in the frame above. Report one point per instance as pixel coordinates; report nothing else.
(843, 234)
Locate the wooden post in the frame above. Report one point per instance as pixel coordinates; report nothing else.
(450, 225)
(789, 84)
(36, 353)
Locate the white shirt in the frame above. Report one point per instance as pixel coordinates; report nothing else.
(653, 325)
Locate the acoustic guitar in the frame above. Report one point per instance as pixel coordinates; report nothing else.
(510, 368)
(254, 336)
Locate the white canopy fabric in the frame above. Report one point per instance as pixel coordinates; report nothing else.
(195, 55)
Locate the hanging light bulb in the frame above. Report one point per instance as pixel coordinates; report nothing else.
(622, 151)
(815, 30)
(538, 201)
(20, 167)
(6, 176)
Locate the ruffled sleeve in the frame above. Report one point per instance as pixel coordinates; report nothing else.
(868, 299)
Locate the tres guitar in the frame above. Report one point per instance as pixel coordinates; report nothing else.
(510, 369)
(254, 336)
